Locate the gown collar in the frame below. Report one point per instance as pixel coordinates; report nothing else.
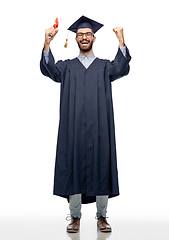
(89, 57)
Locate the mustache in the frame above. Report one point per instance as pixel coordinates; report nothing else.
(84, 41)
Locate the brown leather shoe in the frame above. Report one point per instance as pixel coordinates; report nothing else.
(103, 225)
(74, 225)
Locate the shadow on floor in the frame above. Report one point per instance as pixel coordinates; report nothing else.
(100, 235)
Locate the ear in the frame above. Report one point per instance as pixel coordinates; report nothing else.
(94, 39)
(76, 39)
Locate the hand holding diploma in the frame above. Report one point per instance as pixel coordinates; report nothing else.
(50, 33)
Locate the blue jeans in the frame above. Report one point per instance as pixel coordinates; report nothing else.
(75, 205)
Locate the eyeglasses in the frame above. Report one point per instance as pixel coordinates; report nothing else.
(87, 34)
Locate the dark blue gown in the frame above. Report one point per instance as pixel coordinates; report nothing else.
(86, 149)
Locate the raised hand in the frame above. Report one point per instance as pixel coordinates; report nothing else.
(50, 33)
(119, 34)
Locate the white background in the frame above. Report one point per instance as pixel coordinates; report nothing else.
(29, 105)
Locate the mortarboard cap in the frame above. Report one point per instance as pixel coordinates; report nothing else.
(84, 22)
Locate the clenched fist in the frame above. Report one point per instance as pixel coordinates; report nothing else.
(119, 34)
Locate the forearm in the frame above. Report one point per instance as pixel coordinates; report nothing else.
(46, 55)
(47, 63)
(120, 65)
(123, 50)
(46, 46)
(48, 66)
(121, 42)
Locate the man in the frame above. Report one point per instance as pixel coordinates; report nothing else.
(86, 167)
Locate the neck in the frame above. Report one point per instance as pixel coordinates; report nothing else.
(86, 53)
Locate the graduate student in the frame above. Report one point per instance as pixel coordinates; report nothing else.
(86, 165)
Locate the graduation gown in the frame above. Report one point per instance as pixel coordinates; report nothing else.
(86, 149)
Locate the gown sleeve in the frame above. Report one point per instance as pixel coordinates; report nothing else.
(51, 69)
(119, 67)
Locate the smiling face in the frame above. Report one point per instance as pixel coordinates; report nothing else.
(85, 39)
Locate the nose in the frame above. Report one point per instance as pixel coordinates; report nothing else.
(84, 35)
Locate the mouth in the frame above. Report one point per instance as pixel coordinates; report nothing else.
(84, 43)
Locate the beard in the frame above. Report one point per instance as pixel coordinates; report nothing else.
(86, 49)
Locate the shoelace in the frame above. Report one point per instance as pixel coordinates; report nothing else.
(69, 217)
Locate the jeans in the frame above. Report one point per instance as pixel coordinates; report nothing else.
(75, 205)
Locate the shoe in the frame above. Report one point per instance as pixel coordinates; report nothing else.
(103, 225)
(74, 225)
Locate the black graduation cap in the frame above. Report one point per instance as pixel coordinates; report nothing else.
(85, 22)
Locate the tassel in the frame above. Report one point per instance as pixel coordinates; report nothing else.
(66, 43)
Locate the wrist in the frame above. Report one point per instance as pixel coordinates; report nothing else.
(121, 43)
(46, 46)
